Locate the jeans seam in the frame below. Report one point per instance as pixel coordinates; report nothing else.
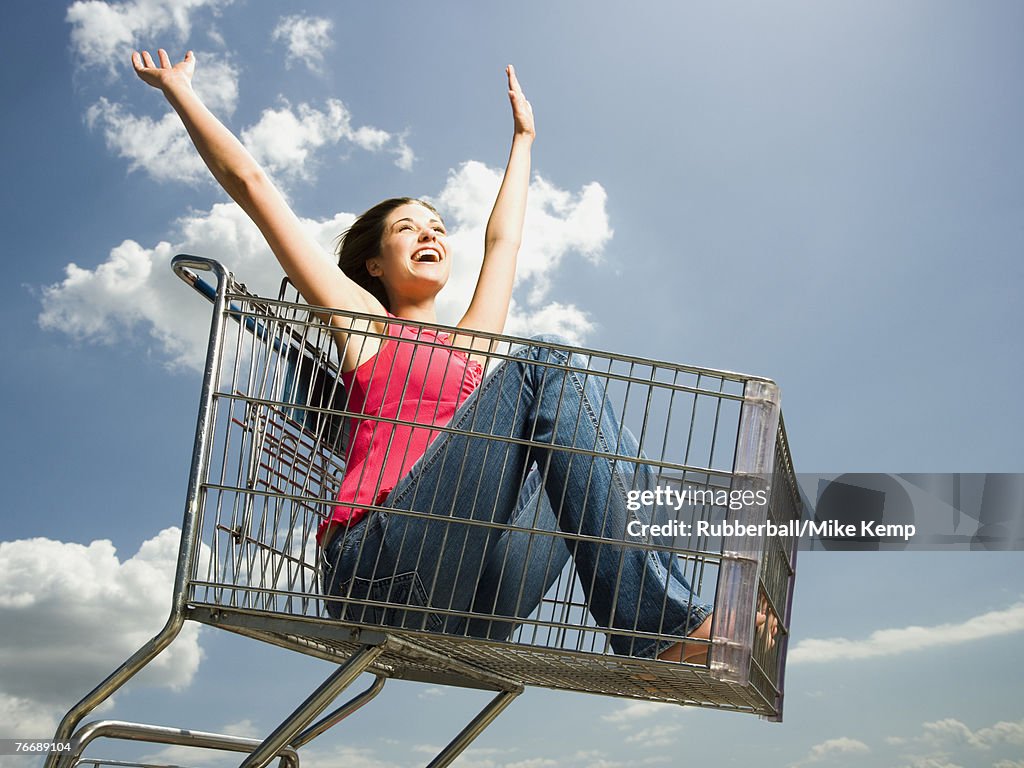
(435, 449)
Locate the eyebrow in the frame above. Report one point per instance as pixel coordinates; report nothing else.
(432, 220)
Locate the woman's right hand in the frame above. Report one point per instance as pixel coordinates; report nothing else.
(164, 75)
(317, 278)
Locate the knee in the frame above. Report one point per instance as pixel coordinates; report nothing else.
(544, 339)
(551, 346)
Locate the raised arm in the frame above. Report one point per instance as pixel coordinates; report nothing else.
(488, 310)
(319, 281)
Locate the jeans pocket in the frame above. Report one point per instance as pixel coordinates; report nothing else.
(402, 589)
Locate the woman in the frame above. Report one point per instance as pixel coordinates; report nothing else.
(394, 260)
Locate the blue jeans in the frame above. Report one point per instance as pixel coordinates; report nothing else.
(438, 561)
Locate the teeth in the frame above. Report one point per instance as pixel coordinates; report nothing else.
(426, 254)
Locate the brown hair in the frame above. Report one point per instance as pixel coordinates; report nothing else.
(362, 240)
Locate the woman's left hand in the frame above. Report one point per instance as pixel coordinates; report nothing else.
(522, 112)
(164, 75)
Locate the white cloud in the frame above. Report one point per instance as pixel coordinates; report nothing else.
(20, 716)
(404, 154)
(307, 39)
(655, 736)
(245, 728)
(831, 747)
(558, 222)
(350, 757)
(71, 613)
(285, 140)
(369, 138)
(1001, 733)
(489, 757)
(950, 730)
(161, 147)
(473, 757)
(216, 83)
(932, 761)
(134, 289)
(215, 35)
(941, 740)
(633, 711)
(890, 642)
(103, 34)
(946, 730)
(563, 319)
(134, 292)
(595, 759)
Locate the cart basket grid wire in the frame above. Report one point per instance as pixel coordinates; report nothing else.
(551, 591)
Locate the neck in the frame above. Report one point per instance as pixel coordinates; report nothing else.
(411, 309)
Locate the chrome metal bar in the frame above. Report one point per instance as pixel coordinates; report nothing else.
(475, 728)
(317, 701)
(329, 721)
(270, 487)
(159, 734)
(190, 526)
(499, 339)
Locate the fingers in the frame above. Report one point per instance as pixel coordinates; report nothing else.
(513, 81)
(144, 60)
(767, 623)
(163, 75)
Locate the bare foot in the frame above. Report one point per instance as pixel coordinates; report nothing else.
(697, 653)
(767, 623)
(691, 653)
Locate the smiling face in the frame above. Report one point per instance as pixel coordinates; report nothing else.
(413, 263)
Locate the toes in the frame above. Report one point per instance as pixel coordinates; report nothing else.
(767, 622)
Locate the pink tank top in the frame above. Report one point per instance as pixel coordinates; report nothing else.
(418, 383)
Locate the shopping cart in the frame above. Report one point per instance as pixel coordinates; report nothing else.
(273, 429)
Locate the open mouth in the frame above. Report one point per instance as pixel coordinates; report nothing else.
(427, 255)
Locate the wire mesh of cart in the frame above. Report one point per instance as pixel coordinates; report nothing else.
(676, 481)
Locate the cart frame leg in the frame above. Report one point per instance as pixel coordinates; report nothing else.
(474, 729)
(314, 704)
(159, 734)
(189, 525)
(329, 721)
(114, 680)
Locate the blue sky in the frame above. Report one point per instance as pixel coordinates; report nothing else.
(829, 194)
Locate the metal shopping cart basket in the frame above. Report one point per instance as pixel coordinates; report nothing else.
(273, 429)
